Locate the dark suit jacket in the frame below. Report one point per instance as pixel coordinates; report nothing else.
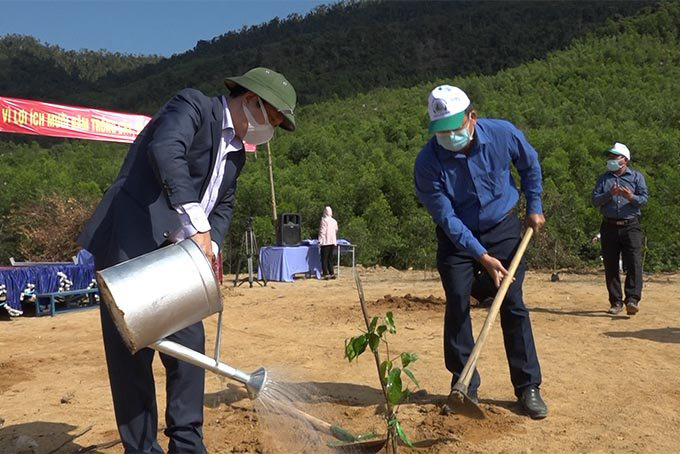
(169, 164)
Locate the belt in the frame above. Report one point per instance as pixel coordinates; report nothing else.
(620, 221)
(509, 213)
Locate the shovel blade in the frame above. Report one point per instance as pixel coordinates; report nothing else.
(460, 403)
(371, 445)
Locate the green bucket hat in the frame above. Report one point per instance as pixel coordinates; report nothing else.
(273, 88)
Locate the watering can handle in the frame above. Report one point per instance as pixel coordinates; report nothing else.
(218, 338)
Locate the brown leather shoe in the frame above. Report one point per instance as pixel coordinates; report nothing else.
(632, 308)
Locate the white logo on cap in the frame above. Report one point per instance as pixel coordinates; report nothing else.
(445, 101)
(439, 107)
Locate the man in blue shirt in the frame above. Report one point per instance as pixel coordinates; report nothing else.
(619, 194)
(462, 177)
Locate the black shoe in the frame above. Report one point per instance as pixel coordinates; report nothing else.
(532, 403)
(615, 309)
(632, 308)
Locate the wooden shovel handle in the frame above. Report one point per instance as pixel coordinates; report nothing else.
(469, 369)
(318, 424)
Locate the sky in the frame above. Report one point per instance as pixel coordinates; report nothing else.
(141, 27)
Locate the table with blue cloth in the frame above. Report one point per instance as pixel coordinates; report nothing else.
(44, 277)
(281, 263)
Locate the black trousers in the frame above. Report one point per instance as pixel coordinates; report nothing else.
(622, 242)
(457, 270)
(327, 260)
(134, 393)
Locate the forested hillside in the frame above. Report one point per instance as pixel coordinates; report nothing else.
(33, 70)
(618, 83)
(335, 51)
(618, 86)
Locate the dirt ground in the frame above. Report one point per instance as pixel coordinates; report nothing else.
(612, 383)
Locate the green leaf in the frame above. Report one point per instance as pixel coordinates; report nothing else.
(408, 358)
(374, 323)
(355, 347)
(401, 433)
(393, 386)
(374, 342)
(385, 367)
(349, 350)
(389, 321)
(412, 377)
(359, 344)
(392, 420)
(381, 330)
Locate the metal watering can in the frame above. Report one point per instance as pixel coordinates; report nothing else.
(161, 292)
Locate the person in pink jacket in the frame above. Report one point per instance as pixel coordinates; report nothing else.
(328, 230)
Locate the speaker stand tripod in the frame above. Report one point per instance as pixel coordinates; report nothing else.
(248, 249)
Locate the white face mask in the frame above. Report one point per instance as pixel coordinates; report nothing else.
(258, 133)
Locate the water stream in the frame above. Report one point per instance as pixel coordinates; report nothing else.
(283, 412)
(280, 407)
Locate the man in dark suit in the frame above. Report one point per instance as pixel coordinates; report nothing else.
(178, 181)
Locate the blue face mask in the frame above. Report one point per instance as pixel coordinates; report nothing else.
(613, 165)
(454, 141)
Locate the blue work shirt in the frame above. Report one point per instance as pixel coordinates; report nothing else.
(474, 192)
(617, 206)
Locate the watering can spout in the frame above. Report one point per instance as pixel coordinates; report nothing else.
(254, 382)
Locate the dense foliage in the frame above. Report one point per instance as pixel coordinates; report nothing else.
(335, 51)
(30, 69)
(35, 180)
(356, 154)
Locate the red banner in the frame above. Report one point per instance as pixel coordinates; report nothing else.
(21, 116)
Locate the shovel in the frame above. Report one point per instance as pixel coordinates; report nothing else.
(459, 397)
(346, 440)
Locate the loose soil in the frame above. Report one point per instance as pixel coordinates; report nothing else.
(612, 382)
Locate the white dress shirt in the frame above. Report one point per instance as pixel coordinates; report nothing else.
(194, 216)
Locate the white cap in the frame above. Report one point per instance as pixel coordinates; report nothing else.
(620, 149)
(446, 106)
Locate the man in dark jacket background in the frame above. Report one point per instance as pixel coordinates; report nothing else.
(178, 181)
